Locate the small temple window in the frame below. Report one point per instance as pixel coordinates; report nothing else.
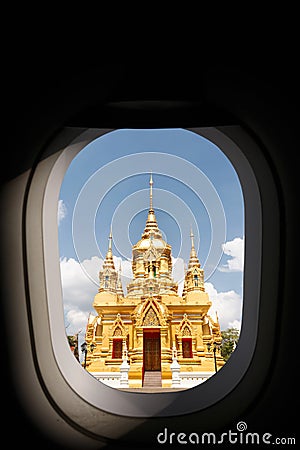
(154, 270)
(187, 348)
(117, 349)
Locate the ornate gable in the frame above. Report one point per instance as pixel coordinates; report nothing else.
(151, 319)
(185, 328)
(119, 329)
(151, 313)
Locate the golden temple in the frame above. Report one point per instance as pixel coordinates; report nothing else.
(152, 336)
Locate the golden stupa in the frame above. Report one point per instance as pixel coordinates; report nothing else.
(152, 336)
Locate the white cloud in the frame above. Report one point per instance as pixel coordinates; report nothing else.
(61, 211)
(178, 273)
(76, 321)
(80, 283)
(235, 324)
(79, 290)
(234, 249)
(228, 306)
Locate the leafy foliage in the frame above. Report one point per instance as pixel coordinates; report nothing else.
(229, 341)
(73, 343)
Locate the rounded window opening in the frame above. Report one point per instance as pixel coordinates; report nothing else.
(151, 241)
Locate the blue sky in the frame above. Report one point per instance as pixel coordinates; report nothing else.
(107, 186)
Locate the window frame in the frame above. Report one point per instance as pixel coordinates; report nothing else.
(68, 385)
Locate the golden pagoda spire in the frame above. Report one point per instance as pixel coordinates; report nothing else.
(194, 276)
(109, 261)
(192, 238)
(151, 259)
(193, 250)
(194, 261)
(119, 288)
(108, 275)
(151, 224)
(109, 251)
(151, 193)
(110, 239)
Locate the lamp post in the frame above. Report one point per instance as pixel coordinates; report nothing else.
(92, 346)
(215, 346)
(84, 350)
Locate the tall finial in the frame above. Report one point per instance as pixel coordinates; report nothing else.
(151, 224)
(151, 193)
(194, 261)
(109, 262)
(192, 238)
(110, 240)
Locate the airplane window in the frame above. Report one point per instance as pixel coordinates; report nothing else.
(146, 270)
(151, 237)
(151, 259)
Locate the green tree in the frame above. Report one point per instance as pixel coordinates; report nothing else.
(73, 342)
(229, 340)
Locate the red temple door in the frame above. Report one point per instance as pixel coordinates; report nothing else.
(152, 354)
